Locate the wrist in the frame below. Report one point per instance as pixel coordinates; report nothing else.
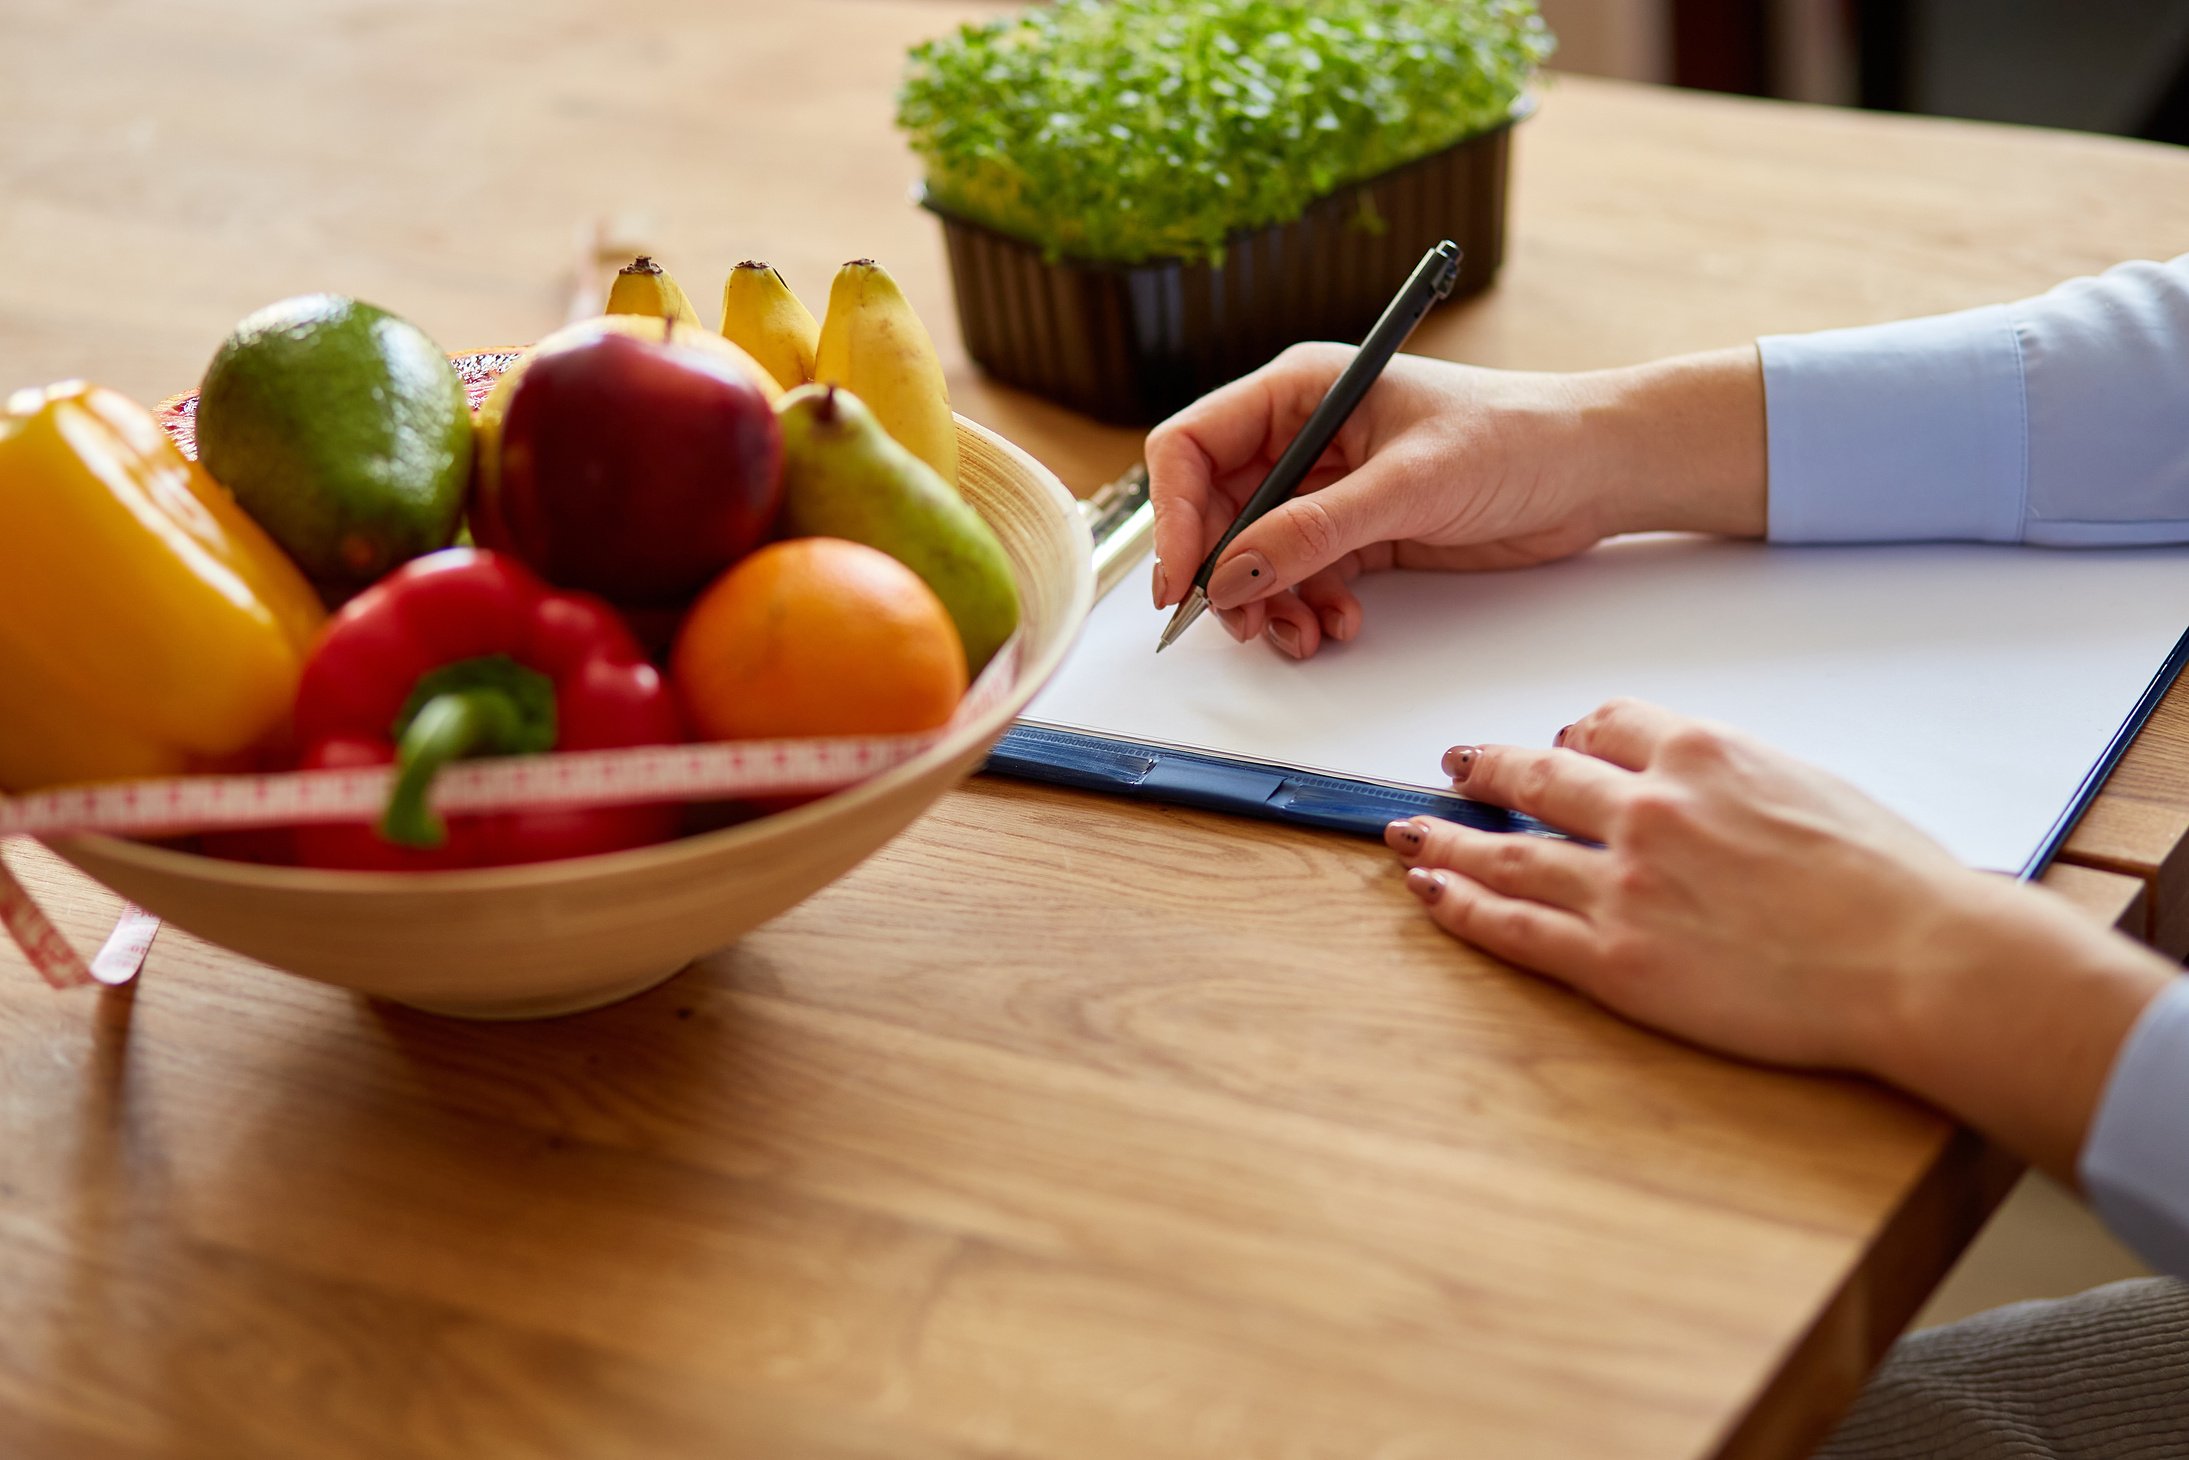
(2010, 1014)
(1676, 445)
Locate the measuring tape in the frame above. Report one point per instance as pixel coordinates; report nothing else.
(564, 780)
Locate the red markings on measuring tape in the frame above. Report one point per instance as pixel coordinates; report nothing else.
(40, 941)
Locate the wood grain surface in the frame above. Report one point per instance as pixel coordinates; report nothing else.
(1062, 1128)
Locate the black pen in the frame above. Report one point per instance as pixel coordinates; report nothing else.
(1432, 280)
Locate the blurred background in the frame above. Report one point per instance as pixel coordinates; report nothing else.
(2119, 66)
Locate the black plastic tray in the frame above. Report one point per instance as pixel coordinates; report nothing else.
(1131, 343)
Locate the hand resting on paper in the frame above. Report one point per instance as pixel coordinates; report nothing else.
(1753, 904)
(1445, 466)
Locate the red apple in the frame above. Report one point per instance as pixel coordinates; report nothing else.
(632, 468)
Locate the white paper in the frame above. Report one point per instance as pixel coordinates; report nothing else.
(1970, 688)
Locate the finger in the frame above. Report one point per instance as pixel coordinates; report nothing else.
(1557, 873)
(1173, 580)
(1218, 434)
(1292, 626)
(1172, 587)
(1182, 471)
(1233, 488)
(1216, 518)
(1309, 533)
(1245, 624)
(1337, 611)
(1227, 494)
(1527, 934)
(1563, 788)
(1625, 732)
(1217, 515)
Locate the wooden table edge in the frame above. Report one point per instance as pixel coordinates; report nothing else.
(1818, 1378)
(2138, 823)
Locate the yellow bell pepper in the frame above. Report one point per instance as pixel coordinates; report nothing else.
(147, 625)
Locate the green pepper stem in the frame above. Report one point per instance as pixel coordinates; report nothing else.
(491, 705)
(447, 727)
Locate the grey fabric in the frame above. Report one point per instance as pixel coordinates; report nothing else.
(2103, 1375)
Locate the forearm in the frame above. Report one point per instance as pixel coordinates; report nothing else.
(2017, 1025)
(1676, 445)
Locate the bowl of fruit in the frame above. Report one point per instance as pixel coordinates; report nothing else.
(639, 548)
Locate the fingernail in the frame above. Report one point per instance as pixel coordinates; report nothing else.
(1285, 636)
(1240, 580)
(1425, 883)
(1161, 585)
(1403, 836)
(1560, 737)
(1334, 624)
(1459, 761)
(1234, 623)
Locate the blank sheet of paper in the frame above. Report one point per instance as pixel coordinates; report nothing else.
(1970, 688)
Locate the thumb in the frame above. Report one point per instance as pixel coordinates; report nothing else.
(1300, 538)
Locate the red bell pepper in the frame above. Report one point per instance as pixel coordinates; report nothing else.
(464, 653)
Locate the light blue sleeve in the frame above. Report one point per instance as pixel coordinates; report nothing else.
(2135, 1163)
(2062, 420)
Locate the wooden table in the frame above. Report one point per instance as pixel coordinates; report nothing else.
(1063, 1128)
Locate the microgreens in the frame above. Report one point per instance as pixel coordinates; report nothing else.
(1123, 130)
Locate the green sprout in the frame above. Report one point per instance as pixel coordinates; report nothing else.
(1125, 130)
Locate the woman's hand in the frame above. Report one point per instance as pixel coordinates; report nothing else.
(1758, 906)
(1445, 466)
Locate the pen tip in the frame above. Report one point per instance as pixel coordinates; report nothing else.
(1189, 609)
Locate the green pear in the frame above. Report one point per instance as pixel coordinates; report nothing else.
(844, 476)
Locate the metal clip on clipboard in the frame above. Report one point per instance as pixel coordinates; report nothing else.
(1122, 521)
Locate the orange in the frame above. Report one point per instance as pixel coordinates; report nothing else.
(818, 636)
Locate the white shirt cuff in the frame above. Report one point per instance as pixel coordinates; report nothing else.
(2135, 1164)
(1915, 431)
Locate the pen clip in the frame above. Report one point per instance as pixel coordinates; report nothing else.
(1448, 271)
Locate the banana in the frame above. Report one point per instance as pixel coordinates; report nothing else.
(874, 346)
(644, 287)
(761, 315)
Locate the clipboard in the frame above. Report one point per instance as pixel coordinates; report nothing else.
(1122, 521)
(1181, 773)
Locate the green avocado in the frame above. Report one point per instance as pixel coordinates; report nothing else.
(343, 430)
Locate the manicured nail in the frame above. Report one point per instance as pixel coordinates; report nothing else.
(1426, 883)
(1334, 624)
(1403, 836)
(1459, 761)
(1234, 622)
(1560, 737)
(1285, 636)
(1162, 585)
(1240, 580)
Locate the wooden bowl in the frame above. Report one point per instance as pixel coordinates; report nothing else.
(556, 937)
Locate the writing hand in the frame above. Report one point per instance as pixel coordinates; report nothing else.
(1448, 467)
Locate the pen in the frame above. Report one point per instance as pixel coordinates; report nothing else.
(1432, 280)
